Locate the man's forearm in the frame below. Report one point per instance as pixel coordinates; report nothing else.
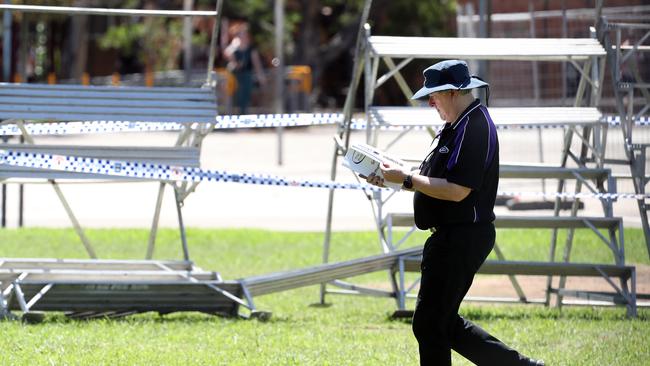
(440, 188)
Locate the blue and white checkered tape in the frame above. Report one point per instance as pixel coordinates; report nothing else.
(148, 171)
(234, 122)
(161, 172)
(221, 122)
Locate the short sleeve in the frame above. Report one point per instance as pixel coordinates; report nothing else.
(466, 165)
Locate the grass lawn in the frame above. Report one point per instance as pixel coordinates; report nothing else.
(350, 331)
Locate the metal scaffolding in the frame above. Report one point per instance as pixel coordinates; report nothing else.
(625, 38)
(585, 137)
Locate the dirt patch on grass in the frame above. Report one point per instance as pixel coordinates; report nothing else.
(534, 286)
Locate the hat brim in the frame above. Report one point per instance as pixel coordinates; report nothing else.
(474, 83)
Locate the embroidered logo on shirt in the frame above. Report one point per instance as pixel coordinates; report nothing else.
(443, 150)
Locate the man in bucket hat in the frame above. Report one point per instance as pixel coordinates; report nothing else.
(455, 190)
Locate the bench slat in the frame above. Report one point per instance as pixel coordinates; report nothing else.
(83, 95)
(81, 103)
(106, 116)
(173, 156)
(494, 267)
(55, 110)
(104, 92)
(531, 49)
(91, 264)
(108, 276)
(12, 103)
(145, 154)
(157, 89)
(550, 172)
(549, 222)
(152, 296)
(547, 116)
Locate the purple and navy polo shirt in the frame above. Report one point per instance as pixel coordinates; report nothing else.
(466, 153)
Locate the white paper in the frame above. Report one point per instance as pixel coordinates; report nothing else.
(364, 159)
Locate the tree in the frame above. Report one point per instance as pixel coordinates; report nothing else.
(322, 33)
(156, 42)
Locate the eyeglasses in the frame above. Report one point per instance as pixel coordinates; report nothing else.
(432, 101)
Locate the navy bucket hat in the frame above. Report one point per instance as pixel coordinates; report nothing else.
(448, 75)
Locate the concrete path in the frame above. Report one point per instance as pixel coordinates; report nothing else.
(307, 154)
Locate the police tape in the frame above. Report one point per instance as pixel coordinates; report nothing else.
(639, 120)
(221, 122)
(576, 195)
(160, 172)
(277, 120)
(240, 121)
(88, 127)
(157, 172)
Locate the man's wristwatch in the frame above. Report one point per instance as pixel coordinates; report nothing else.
(408, 182)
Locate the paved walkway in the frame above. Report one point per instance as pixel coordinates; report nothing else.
(307, 153)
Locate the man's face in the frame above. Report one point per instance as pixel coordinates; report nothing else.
(441, 101)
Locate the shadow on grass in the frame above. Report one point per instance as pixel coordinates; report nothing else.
(537, 313)
(319, 305)
(155, 318)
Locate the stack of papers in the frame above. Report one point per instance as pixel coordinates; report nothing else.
(364, 160)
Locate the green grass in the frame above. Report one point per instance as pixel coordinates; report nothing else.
(351, 331)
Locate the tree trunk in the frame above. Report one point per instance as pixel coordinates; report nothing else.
(310, 51)
(76, 55)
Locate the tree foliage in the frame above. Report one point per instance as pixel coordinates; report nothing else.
(318, 33)
(322, 33)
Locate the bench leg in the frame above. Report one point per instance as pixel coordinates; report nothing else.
(154, 224)
(400, 291)
(4, 308)
(75, 222)
(631, 308)
(179, 205)
(566, 258)
(513, 279)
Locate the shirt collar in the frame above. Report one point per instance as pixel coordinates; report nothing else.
(467, 110)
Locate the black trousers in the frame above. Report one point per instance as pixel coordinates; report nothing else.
(450, 259)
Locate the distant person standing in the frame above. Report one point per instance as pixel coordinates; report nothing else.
(244, 62)
(455, 190)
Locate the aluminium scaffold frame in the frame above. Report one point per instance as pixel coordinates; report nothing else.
(586, 55)
(190, 136)
(626, 87)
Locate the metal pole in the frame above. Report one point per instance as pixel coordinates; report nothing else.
(344, 129)
(482, 33)
(75, 222)
(213, 41)
(179, 204)
(22, 61)
(187, 41)
(21, 195)
(6, 73)
(154, 224)
(471, 33)
(6, 44)
(564, 65)
(106, 11)
(278, 62)
(4, 206)
(536, 92)
(21, 205)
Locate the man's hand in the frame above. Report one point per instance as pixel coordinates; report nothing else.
(393, 175)
(390, 174)
(374, 179)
